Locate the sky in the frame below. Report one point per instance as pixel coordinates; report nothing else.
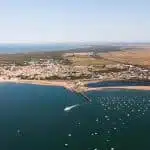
(41, 21)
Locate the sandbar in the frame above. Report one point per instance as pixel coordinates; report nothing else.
(145, 88)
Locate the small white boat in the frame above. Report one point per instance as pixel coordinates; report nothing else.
(70, 107)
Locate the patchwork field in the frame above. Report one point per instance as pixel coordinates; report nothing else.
(88, 60)
(135, 57)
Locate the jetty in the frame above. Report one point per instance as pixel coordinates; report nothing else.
(79, 90)
(85, 96)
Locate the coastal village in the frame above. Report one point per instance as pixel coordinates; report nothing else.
(51, 69)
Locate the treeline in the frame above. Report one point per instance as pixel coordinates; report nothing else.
(20, 58)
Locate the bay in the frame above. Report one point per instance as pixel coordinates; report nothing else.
(32, 117)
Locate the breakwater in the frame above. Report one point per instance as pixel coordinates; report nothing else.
(85, 96)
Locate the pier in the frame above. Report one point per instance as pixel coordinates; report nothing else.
(85, 96)
(81, 93)
(79, 89)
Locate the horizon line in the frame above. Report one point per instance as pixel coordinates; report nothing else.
(75, 42)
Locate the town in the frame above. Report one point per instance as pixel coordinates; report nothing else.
(52, 69)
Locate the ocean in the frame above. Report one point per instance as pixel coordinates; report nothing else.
(23, 48)
(32, 117)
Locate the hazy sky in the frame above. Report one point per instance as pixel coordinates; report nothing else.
(74, 20)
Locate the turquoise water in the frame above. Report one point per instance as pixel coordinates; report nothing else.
(33, 118)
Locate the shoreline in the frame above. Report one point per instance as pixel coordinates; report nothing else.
(61, 83)
(70, 85)
(142, 88)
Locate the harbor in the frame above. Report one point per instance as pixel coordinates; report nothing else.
(55, 115)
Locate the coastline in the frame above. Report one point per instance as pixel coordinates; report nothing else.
(65, 84)
(130, 87)
(143, 88)
(70, 85)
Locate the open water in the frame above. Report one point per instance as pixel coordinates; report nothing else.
(32, 117)
(23, 48)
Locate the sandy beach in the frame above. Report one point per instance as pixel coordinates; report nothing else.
(70, 85)
(145, 88)
(131, 87)
(62, 83)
